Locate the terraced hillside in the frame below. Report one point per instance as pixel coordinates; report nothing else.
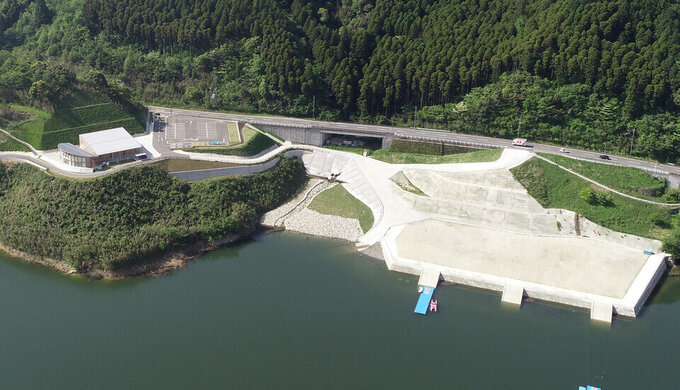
(79, 112)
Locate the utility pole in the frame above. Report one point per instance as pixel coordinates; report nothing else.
(519, 125)
(631, 142)
(314, 108)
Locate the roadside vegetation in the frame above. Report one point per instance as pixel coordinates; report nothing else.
(128, 217)
(431, 148)
(631, 181)
(254, 143)
(182, 165)
(555, 188)
(485, 155)
(337, 201)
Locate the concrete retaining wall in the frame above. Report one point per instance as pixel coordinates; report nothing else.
(219, 172)
(628, 306)
(296, 135)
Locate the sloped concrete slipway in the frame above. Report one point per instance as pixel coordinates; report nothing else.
(477, 226)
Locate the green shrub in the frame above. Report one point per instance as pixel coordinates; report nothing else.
(672, 196)
(671, 244)
(660, 219)
(588, 195)
(605, 199)
(596, 198)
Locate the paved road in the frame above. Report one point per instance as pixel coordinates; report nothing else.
(421, 133)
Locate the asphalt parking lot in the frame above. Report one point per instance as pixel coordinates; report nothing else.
(182, 132)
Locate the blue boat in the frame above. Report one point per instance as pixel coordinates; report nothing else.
(424, 300)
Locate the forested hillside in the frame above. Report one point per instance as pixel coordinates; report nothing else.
(132, 215)
(372, 60)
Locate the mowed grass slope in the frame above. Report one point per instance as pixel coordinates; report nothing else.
(413, 158)
(80, 112)
(628, 180)
(253, 143)
(337, 201)
(553, 187)
(183, 165)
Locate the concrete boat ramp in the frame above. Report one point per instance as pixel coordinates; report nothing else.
(473, 224)
(586, 273)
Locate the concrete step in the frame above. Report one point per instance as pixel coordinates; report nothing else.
(316, 165)
(328, 164)
(602, 311)
(338, 164)
(513, 294)
(429, 277)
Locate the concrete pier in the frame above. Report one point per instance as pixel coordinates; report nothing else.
(513, 294)
(429, 277)
(602, 311)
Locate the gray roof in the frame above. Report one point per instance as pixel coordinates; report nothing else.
(74, 150)
(110, 141)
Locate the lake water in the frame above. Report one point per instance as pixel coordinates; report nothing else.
(288, 311)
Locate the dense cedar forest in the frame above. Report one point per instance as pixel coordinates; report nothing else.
(596, 74)
(132, 215)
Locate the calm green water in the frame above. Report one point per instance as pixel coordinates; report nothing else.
(287, 311)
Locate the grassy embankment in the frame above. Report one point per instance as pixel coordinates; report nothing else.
(129, 217)
(79, 112)
(183, 165)
(416, 152)
(337, 201)
(553, 187)
(9, 145)
(631, 181)
(253, 143)
(411, 158)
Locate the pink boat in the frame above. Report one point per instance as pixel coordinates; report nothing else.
(433, 305)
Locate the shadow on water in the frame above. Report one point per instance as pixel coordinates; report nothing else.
(666, 292)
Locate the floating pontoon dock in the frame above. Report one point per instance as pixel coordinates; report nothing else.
(428, 282)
